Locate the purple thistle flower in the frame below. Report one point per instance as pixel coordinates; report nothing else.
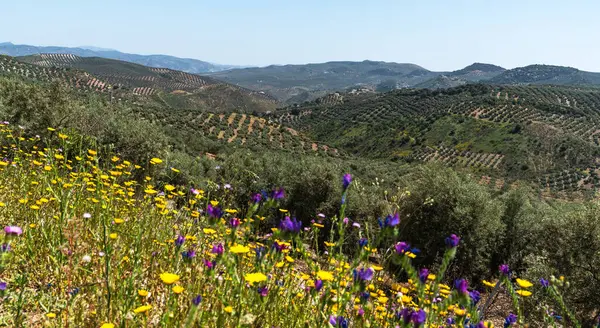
(361, 312)
(263, 291)
(318, 284)
(363, 274)
(13, 230)
(423, 275)
(346, 180)
(504, 269)
(346, 220)
(452, 241)
(290, 225)
(475, 296)
(418, 317)
(196, 300)
(278, 193)
(461, 286)
(402, 247)
(217, 249)
(545, 283)
(179, 241)
(510, 320)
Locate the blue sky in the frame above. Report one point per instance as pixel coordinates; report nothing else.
(436, 34)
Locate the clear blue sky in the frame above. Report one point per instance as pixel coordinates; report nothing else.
(436, 34)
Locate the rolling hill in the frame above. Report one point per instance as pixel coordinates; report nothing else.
(545, 134)
(547, 74)
(126, 80)
(160, 61)
(313, 80)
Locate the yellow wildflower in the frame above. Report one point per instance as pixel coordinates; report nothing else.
(325, 275)
(524, 283)
(255, 277)
(169, 278)
(239, 249)
(524, 293)
(142, 309)
(178, 289)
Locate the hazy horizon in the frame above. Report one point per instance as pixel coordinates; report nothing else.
(436, 35)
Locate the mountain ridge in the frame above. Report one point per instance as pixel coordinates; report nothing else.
(188, 65)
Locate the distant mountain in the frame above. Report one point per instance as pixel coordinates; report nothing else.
(478, 72)
(92, 48)
(546, 74)
(289, 81)
(162, 61)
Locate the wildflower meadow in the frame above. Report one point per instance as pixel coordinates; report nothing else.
(93, 240)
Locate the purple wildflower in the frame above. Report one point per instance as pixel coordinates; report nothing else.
(209, 264)
(356, 225)
(3, 285)
(475, 296)
(290, 225)
(189, 254)
(390, 220)
(256, 198)
(263, 291)
(4, 248)
(452, 241)
(338, 321)
(278, 193)
(423, 274)
(406, 315)
(545, 283)
(346, 220)
(504, 269)
(196, 300)
(179, 241)
(510, 320)
(214, 211)
(346, 180)
(363, 274)
(363, 242)
(217, 249)
(235, 222)
(13, 230)
(418, 317)
(318, 284)
(461, 286)
(402, 247)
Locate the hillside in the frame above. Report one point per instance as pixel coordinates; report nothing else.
(160, 61)
(289, 81)
(544, 134)
(133, 82)
(547, 74)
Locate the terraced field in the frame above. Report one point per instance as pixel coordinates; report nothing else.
(77, 79)
(128, 79)
(549, 135)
